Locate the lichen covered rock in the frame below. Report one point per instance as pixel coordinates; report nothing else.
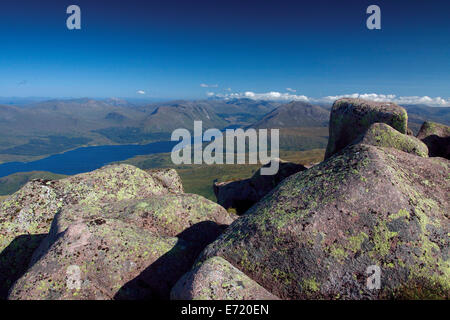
(31, 209)
(152, 202)
(319, 231)
(351, 118)
(382, 135)
(105, 259)
(187, 216)
(169, 178)
(28, 213)
(217, 279)
(437, 137)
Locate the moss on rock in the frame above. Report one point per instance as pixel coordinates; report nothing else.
(382, 135)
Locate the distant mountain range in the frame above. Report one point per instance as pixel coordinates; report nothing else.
(41, 128)
(47, 127)
(418, 114)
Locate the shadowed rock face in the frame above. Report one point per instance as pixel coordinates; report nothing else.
(382, 135)
(351, 118)
(317, 233)
(437, 137)
(129, 225)
(217, 279)
(242, 194)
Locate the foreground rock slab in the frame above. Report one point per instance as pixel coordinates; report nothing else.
(99, 259)
(319, 231)
(25, 217)
(187, 216)
(169, 179)
(147, 211)
(132, 249)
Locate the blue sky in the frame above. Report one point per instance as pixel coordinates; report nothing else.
(189, 49)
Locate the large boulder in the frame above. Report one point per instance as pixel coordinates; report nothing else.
(31, 209)
(130, 249)
(319, 232)
(152, 201)
(217, 279)
(187, 216)
(351, 118)
(242, 194)
(99, 259)
(382, 135)
(25, 216)
(437, 137)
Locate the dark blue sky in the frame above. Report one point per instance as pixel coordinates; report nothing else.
(170, 48)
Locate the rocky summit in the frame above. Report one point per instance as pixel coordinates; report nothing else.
(119, 225)
(26, 215)
(379, 201)
(318, 232)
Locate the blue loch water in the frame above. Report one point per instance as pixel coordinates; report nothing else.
(85, 159)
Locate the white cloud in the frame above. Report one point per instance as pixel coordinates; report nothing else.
(140, 92)
(288, 96)
(273, 95)
(291, 90)
(204, 85)
(437, 101)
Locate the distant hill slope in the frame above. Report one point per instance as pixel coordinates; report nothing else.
(256, 107)
(294, 114)
(234, 112)
(167, 118)
(424, 112)
(418, 114)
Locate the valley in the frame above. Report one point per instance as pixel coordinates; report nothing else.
(46, 134)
